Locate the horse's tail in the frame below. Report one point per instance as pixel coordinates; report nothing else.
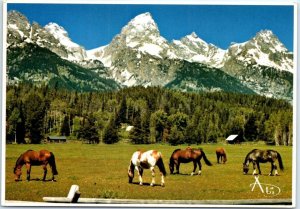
(207, 162)
(280, 161)
(161, 166)
(53, 164)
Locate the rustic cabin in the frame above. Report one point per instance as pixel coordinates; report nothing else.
(56, 139)
(233, 139)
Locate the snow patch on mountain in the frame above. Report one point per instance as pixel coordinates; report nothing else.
(76, 52)
(61, 34)
(194, 49)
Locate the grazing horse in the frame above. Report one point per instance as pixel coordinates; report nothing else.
(186, 156)
(33, 158)
(221, 155)
(146, 160)
(257, 156)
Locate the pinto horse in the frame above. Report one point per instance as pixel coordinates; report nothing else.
(257, 156)
(33, 158)
(146, 160)
(186, 156)
(221, 155)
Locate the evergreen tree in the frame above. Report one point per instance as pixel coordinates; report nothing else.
(110, 135)
(65, 129)
(122, 113)
(176, 136)
(35, 111)
(89, 130)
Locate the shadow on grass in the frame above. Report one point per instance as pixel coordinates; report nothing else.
(38, 179)
(145, 184)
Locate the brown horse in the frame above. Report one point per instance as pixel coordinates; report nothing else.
(186, 156)
(221, 155)
(33, 158)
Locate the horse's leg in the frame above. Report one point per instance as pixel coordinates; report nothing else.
(28, 167)
(258, 167)
(218, 157)
(273, 167)
(177, 167)
(162, 179)
(140, 173)
(254, 168)
(45, 171)
(153, 176)
(195, 167)
(200, 167)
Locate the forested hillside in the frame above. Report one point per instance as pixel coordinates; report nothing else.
(158, 115)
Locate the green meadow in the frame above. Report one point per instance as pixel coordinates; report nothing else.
(101, 172)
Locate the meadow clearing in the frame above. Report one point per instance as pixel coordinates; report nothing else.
(100, 170)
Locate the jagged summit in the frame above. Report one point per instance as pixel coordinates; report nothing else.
(61, 34)
(269, 38)
(144, 20)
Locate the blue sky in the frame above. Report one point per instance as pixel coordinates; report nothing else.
(94, 25)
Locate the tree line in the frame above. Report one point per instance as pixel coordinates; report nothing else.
(158, 115)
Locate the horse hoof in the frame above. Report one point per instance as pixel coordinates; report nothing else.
(163, 185)
(141, 184)
(152, 185)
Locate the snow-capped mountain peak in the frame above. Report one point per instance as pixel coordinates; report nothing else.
(264, 49)
(143, 22)
(194, 38)
(61, 34)
(76, 52)
(141, 27)
(194, 49)
(267, 37)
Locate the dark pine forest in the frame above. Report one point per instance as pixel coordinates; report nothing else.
(158, 115)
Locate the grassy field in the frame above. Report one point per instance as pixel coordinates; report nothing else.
(101, 172)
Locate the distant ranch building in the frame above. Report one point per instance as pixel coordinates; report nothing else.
(232, 139)
(56, 139)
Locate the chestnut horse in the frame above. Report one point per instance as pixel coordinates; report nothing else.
(33, 158)
(146, 160)
(186, 156)
(257, 156)
(221, 155)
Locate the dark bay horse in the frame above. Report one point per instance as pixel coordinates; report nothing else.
(146, 160)
(33, 158)
(257, 156)
(186, 156)
(221, 155)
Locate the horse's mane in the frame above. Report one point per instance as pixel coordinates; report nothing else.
(175, 151)
(247, 156)
(20, 158)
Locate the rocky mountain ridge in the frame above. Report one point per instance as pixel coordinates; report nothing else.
(139, 55)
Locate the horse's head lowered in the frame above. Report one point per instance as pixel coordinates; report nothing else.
(18, 168)
(171, 167)
(130, 172)
(245, 168)
(18, 173)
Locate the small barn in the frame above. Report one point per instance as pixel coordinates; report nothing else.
(232, 139)
(56, 139)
